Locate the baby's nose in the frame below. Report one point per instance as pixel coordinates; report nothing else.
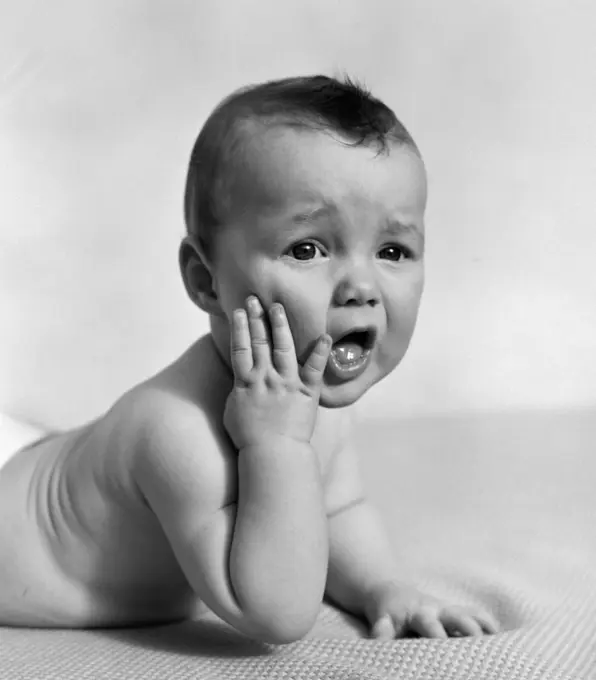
(357, 287)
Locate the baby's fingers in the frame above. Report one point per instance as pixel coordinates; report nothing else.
(488, 623)
(314, 367)
(383, 629)
(284, 352)
(259, 335)
(240, 347)
(427, 624)
(460, 624)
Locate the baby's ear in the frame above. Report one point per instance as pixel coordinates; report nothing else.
(197, 276)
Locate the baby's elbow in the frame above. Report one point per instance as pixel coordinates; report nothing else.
(277, 611)
(283, 628)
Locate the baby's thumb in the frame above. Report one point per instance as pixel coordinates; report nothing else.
(314, 366)
(383, 628)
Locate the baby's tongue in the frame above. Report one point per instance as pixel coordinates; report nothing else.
(347, 351)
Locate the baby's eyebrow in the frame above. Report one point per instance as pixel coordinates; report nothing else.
(315, 214)
(404, 228)
(393, 226)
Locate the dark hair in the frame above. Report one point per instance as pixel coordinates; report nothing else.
(309, 102)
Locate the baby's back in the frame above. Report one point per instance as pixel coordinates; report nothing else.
(82, 529)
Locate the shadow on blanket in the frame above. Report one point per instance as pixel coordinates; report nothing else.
(192, 638)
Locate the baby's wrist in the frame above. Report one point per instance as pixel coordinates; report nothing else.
(382, 588)
(280, 451)
(280, 443)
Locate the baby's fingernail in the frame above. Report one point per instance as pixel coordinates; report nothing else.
(239, 317)
(384, 628)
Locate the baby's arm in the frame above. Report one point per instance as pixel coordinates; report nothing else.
(363, 576)
(134, 521)
(360, 555)
(260, 566)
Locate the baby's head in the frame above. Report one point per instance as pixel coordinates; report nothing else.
(309, 192)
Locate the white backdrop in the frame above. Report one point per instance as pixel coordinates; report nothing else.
(100, 102)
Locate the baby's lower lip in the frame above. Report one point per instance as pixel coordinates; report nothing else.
(351, 370)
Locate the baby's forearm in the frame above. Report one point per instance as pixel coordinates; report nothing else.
(279, 553)
(360, 559)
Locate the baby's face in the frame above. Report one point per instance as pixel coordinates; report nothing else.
(337, 236)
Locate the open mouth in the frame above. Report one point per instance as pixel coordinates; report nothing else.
(350, 354)
(350, 347)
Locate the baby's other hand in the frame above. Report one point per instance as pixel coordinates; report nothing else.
(396, 610)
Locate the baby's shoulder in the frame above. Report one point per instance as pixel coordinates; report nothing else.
(179, 408)
(165, 432)
(152, 412)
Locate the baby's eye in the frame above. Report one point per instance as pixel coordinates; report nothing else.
(305, 251)
(393, 253)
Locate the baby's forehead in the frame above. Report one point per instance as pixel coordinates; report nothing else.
(282, 165)
(257, 145)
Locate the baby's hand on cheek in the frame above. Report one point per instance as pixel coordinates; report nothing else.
(273, 397)
(396, 610)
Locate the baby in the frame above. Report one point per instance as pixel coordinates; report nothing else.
(229, 479)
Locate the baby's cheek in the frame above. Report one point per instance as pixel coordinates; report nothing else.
(399, 328)
(307, 323)
(233, 289)
(260, 278)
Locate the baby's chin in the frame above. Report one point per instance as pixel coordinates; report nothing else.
(336, 393)
(334, 402)
(346, 394)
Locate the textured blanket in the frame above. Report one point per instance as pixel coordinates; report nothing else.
(498, 510)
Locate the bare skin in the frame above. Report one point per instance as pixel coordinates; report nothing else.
(89, 549)
(99, 555)
(229, 478)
